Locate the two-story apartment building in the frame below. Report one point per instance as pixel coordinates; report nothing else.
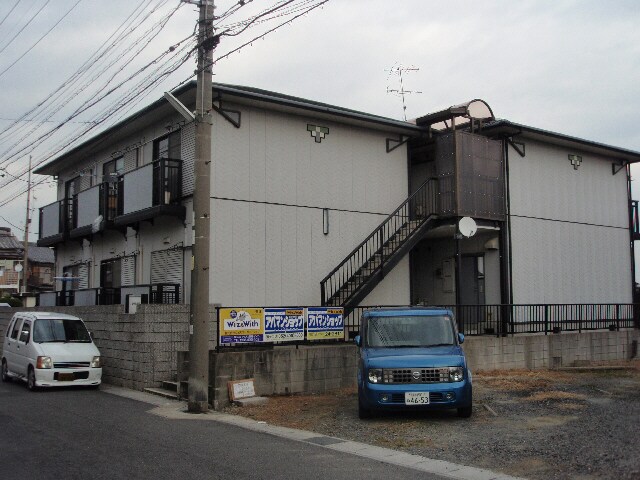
(313, 203)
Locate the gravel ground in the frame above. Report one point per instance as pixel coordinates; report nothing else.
(533, 424)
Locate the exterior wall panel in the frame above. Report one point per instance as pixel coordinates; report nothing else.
(569, 228)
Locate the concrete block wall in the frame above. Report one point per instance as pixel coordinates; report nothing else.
(139, 350)
(548, 351)
(284, 370)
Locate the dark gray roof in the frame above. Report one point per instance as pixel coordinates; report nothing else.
(41, 255)
(9, 242)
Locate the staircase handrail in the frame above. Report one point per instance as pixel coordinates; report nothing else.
(375, 232)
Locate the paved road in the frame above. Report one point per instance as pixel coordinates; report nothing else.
(69, 434)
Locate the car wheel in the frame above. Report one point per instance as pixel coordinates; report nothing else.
(31, 380)
(5, 371)
(363, 412)
(465, 412)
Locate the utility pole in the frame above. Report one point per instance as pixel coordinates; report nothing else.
(25, 261)
(199, 328)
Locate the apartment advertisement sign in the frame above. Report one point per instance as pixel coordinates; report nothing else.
(241, 325)
(325, 323)
(283, 324)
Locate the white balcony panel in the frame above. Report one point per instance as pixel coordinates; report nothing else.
(88, 206)
(138, 189)
(84, 297)
(50, 220)
(47, 299)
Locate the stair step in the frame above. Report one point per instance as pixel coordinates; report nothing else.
(170, 385)
(162, 393)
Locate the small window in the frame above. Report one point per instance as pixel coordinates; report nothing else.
(167, 146)
(16, 329)
(26, 332)
(112, 169)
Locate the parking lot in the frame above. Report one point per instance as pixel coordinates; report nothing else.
(578, 423)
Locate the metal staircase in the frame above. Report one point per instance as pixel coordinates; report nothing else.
(358, 274)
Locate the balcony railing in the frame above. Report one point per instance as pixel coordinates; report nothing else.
(94, 209)
(150, 191)
(53, 223)
(159, 293)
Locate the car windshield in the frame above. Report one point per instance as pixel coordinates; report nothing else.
(410, 331)
(60, 330)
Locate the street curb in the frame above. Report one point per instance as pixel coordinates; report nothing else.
(177, 410)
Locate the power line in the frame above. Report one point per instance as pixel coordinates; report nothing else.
(24, 26)
(40, 39)
(9, 12)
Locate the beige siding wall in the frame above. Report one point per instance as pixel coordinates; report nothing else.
(569, 228)
(270, 182)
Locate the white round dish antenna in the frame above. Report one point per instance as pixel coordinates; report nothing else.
(467, 227)
(17, 267)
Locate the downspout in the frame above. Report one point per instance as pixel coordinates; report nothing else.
(631, 232)
(506, 259)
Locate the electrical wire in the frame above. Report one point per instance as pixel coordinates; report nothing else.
(23, 27)
(135, 95)
(9, 12)
(10, 153)
(40, 39)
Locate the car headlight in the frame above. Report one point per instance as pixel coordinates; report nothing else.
(456, 374)
(375, 375)
(95, 362)
(44, 362)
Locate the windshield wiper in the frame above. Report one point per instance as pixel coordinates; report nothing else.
(438, 345)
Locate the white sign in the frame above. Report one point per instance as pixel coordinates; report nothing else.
(241, 389)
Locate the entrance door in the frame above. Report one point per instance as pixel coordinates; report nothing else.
(472, 289)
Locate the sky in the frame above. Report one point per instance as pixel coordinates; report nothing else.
(569, 66)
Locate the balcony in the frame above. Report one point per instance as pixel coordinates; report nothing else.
(94, 209)
(150, 191)
(53, 221)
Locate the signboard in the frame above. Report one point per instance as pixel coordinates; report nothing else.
(325, 323)
(283, 324)
(241, 389)
(241, 325)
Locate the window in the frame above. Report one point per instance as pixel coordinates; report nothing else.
(58, 330)
(26, 331)
(112, 169)
(16, 328)
(110, 273)
(167, 146)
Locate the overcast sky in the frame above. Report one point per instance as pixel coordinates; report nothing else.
(568, 66)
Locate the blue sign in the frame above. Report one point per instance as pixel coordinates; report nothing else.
(283, 324)
(325, 323)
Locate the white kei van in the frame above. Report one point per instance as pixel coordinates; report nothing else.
(48, 349)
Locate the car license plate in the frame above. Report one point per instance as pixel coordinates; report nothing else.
(416, 398)
(66, 377)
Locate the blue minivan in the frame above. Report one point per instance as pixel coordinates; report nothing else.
(411, 358)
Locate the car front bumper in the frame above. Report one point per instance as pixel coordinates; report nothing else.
(64, 377)
(392, 396)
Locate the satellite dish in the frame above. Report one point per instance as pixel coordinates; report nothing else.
(97, 224)
(17, 267)
(467, 227)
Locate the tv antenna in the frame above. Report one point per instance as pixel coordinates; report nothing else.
(399, 70)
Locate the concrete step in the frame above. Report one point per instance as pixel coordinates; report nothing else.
(170, 385)
(162, 393)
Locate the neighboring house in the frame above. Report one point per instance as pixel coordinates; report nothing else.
(11, 254)
(40, 268)
(299, 189)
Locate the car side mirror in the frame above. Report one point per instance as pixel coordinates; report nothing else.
(358, 340)
(461, 338)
